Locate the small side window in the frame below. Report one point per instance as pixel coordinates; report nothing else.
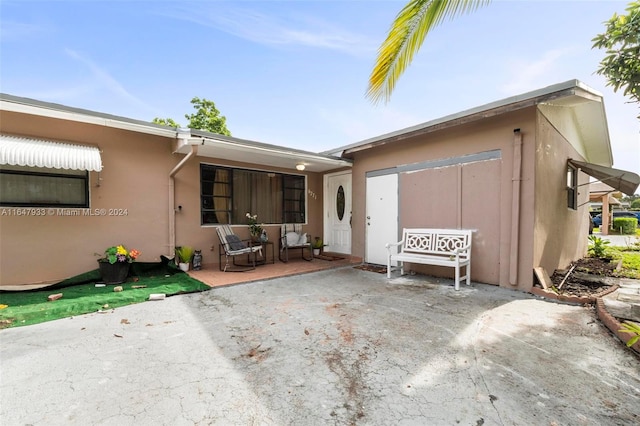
(572, 187)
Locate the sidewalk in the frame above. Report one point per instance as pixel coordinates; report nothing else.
(619, 240)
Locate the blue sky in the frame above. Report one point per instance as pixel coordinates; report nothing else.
(294, 73)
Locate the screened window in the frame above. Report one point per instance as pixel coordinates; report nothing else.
(43, 187)
(572, 187)
(228, 194)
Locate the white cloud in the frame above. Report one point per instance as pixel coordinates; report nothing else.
(104, 80)
(290, 30)
(527, 75)
(10, 31)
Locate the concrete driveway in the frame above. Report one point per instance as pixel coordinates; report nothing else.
(340, 347)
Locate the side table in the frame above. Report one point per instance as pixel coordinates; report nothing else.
(261, 260)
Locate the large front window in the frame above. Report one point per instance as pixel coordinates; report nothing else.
(43, 187)
(228, 194)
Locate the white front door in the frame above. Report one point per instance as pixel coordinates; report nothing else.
(382, 217)
(337, 205)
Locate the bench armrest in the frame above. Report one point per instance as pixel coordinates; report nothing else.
(389, 245)
(464, 249)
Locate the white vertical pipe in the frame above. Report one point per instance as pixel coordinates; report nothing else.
(459, 189)
(515, 207)
(172, 199)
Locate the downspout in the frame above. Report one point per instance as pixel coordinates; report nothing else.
(172, 199)
(515, 206)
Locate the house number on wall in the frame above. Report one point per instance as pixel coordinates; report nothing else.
(340, 203)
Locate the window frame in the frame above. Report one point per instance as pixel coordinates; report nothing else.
(302, 200)
(572, 187)
(52, 175)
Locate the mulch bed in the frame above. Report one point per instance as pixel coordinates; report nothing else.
(577, 286)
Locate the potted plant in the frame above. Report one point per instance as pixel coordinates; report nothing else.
(114, 265)
(255, 230)
(317, 245)
(184, 255)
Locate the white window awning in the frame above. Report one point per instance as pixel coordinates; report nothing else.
(622, 180)
(19, 151)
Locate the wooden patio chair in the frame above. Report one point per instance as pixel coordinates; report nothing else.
(232, 246)
(292, 238)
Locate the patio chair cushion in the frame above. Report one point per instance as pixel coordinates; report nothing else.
(235, 243)
(303, 239)
(292, 238)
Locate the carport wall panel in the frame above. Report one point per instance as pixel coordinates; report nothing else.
(494, 133)
(465, 196)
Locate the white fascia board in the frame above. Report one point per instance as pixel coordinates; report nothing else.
(258, 153)
(78, 117)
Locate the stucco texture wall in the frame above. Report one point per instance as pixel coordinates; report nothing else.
(132, 188)
(475, 195)
(560, 232)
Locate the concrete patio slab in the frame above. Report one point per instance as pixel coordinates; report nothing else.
(343, 347)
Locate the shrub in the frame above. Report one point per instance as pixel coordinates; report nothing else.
(597, 246)
(626, 225)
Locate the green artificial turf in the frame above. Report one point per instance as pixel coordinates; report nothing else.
(81, 296)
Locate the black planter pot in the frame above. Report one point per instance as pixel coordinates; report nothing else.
(115, 273)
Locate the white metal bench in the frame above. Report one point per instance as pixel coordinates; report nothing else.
(439, 247)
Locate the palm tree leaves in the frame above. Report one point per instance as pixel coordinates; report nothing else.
(405, 37)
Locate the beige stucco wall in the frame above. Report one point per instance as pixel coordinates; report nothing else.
(135, 178)
(478, 197)
(558, 240)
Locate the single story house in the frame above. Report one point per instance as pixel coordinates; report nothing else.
(74, 182)
(516, 171)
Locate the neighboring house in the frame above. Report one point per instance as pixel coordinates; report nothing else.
(74, 182)
(513, 170)
(602, 196)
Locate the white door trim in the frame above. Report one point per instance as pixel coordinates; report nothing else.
(329, 227)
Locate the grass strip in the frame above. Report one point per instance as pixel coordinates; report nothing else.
(81, 296)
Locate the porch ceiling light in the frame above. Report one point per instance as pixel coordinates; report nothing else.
(300, 166)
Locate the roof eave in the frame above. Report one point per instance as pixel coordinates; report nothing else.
(242, 150)
(514, 103)
(62, 112)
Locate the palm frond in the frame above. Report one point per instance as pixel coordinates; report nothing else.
(405, 37)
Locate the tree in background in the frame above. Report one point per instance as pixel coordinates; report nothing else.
(633, 200)
(166, 122)
(621, 40)
(405, 37)
(207, 117)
